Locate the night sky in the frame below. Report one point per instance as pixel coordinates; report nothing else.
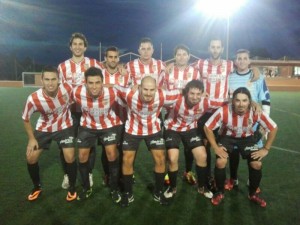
(41, 29)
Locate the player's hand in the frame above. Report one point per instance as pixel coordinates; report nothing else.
(221, 151)
(256, 74)
(260, 154)
(169, 68)
(256, 108)
(32, 145)
(122, 70)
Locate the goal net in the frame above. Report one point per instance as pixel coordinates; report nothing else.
(31, 79)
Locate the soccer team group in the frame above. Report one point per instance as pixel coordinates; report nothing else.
(211, 105)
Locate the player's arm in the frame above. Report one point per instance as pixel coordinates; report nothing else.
(256, 74)
(32, 142)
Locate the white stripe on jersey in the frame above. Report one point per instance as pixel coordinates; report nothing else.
(73, 73)
(137, 70)
(178, 78)
(215, 78)
(238, 126)
(54, 112)
(143, 117)
(97, 113)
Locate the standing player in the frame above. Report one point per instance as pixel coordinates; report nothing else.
(242, 77)
(98, 120)
(111, 77)
(145, 65)
(236, 122)
(175, 79)
(53, 102)
(72, 72)
(181, 125)
(143, 123)
(214, 72)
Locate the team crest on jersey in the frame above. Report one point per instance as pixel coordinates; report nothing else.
(105, 101)
(154, 67)
(86, 66)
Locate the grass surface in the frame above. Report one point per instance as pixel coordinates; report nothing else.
(280, 183)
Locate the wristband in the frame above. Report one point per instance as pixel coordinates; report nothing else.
(266, 148)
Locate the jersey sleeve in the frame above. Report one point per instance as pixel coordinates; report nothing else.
(215, 120)
(171, 97)
(28, 110)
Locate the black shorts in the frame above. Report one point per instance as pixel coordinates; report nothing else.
(87, 137)
(64, 138)
(153, 141)
(245, 146)
(190, 139)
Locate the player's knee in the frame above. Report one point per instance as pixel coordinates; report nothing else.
(221, 163)
(256, 165)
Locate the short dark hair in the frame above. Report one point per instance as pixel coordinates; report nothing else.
(198, 84)
(79, 36)
(111, 49)
(49, 68)
(182, 47)
(146, 40)
(242, 90)
(242, 50)
(93, 72)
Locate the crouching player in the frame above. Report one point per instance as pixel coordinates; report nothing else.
(236, 123)
(53, 102)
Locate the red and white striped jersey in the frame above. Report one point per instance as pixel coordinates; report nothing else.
(54, 112)
(97, 113)
(183, 118)
(143, 118)
(121, 80)
(116, 78)
(215, 78)
(137, 70)
(178, 78)
(234, 125)
(73, 73)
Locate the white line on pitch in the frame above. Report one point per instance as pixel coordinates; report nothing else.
(285, 150)
(280, 110)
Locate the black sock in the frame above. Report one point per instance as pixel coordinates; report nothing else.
(127, 183)
(34, 172)
(159, 182)
(201, 176)
(220, 176)
(254, 179)
(188, 157)
(234, 160)
(84, 172)
(72, 173)
(92, 158)
(208, 160)
(173, 178)
(114, 174)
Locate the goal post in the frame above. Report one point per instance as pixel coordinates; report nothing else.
(32, 79)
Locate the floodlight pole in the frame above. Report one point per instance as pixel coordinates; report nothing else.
(227, 38)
